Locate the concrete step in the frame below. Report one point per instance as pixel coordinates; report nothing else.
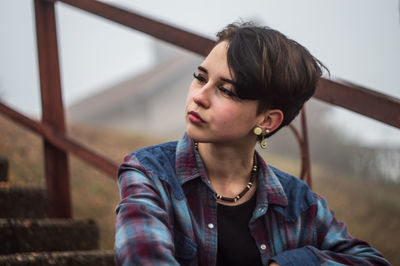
(70, 258)
(23, 202)
(36, 235)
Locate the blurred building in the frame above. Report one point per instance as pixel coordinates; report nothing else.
(151, 103)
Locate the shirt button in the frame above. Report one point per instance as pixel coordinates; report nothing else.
(261, 210)
(210, 225)
(263, 246)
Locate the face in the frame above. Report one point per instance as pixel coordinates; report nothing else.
(213, 112)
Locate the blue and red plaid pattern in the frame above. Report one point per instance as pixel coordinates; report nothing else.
(168, 215)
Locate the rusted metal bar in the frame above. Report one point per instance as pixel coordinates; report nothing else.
(306, 150)
(3, 171)
(301, 149)
(56, 160)
(361, 100)
(355, 98)
(62, 142)
(162, 31)
(302, 140)
(364, 101)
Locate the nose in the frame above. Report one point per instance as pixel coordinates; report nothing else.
(202, 97)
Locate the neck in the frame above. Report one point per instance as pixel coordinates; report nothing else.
(228, 168)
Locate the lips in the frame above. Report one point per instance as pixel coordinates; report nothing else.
(195, 118)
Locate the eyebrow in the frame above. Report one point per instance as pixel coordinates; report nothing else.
(223, 79)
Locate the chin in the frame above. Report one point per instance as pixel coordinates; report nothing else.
(195, 134)
(192, 134)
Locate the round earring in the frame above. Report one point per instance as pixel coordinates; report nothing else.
(257, 130)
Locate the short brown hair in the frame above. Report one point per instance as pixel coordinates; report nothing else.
(270, 68)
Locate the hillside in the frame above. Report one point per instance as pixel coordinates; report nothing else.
(370, 209)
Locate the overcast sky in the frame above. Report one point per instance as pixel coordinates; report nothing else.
(358, 40)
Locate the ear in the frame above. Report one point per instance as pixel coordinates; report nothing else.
(271, 119)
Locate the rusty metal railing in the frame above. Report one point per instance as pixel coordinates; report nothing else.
(52, 127)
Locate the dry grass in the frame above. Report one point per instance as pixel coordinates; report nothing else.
(371, 210)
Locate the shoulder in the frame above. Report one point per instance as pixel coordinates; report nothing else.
(156, 163)
(151, 157)
(299, 196)
(293, 186)
(156, 159)
(156, 153)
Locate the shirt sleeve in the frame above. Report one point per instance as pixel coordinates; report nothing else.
(143, 234)
(335, 246)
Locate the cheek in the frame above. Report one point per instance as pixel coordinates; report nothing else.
(230, 115)
(234, 117)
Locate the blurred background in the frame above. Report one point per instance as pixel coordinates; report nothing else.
(123, 90)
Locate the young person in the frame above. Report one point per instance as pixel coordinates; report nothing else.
(210, 199)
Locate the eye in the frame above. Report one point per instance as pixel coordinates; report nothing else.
(227, 92)
(199, 77)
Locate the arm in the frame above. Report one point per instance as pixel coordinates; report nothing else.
(335, 246)
(143, 234)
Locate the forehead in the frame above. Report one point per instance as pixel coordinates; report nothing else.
(216, 62)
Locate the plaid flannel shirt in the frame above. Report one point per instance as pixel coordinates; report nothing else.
(168, 215)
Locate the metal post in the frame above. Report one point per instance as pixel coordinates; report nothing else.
(306, 150)
(56, 160)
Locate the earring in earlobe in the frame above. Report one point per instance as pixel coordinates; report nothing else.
(263, 142)
(257, 130)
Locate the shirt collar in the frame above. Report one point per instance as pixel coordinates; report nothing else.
(189, 166)
(186, 165)
(270, 190)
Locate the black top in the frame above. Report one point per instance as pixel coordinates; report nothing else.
(235, 244)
